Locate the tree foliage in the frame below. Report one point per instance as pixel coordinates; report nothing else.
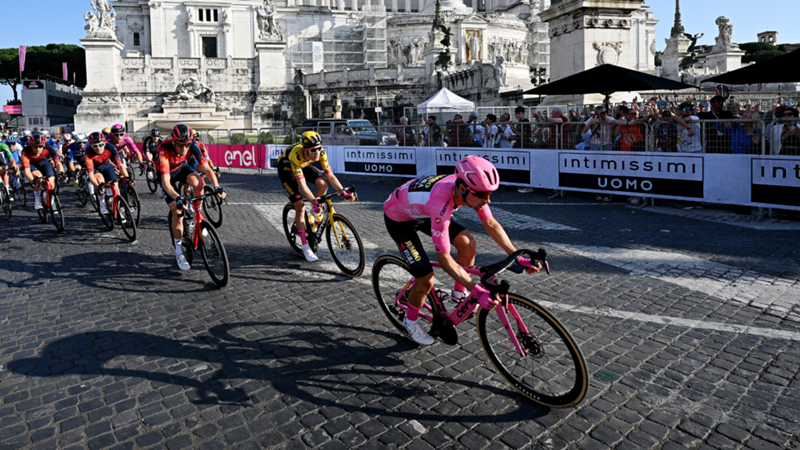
(759, 51)
(657, 61)
(43, 59)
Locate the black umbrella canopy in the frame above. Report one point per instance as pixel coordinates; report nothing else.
(781, 69)
(607, 79)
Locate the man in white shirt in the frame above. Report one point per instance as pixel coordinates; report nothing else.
(507, 132)
(477, 130)
(491, 131)
(690, 135)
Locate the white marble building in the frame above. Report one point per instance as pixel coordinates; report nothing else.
(249, 53)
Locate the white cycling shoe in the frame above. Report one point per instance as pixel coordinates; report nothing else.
(103, 207)
(37, 204)
(310, 256)
(417, 333)
(182, 263)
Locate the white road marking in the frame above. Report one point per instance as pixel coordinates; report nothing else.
(324, 267)
(729, 218)
(516, 221)
(677, 321)
(775, 295)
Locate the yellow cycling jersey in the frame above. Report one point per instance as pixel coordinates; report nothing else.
(294, 154)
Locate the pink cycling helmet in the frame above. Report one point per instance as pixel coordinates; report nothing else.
(478, 174)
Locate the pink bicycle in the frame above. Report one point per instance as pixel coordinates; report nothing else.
(530, 348)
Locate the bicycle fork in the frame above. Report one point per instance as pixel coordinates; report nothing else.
(501, 312)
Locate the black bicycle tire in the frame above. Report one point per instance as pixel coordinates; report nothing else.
(132, 194)
(108, 218)
(22, 190)
(362, 261)
(188, 247)
(43, 211)
(396, 319)
(212, 200)
(124, 209)
(82, 193)
(287, 230)
(152, 184)
(220, 282)
(6, 202)
(59, 221)
(567, 400)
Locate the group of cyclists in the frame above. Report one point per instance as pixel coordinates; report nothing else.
(422, 205)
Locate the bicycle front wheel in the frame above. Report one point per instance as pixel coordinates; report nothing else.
(214, 256)
(186, 238)
(21, 193)
(132, 197)
(345, 246)
(390, 278)
(126, 219)
(212, 207)
(57, 213)
(42, 212)
(552, 372)
(4, 198)
(82, 192)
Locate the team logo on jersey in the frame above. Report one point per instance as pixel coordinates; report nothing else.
(438, 220)
(410, 252)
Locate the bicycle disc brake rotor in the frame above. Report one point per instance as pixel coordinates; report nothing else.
(531, 345)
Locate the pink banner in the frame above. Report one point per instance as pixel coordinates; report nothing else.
(13, 109)
(65, 71)
(248, 156)
(23, 49)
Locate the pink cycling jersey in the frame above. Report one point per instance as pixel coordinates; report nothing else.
(428, 198)
(126, 141)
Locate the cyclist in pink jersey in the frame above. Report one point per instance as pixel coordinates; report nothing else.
(125, 145)
(426, 204)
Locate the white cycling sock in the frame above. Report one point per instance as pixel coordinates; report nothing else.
(178, 247)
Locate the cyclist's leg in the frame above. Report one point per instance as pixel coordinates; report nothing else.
(47, 171)
(289, 184)
(465, 247)
(313, 175)
(193, 179)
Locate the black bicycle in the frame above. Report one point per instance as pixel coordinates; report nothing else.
(51, 205)
(17, 188)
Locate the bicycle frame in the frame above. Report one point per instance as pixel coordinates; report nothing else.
(115, 192)
(468, 306)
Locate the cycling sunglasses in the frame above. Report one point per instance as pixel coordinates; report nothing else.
(481, 195)
(99, 145)
(314, 149)
(119, 134)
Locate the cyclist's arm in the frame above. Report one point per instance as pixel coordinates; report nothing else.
(454, 270)
(498, 234)
(115, 158)
(89, 163)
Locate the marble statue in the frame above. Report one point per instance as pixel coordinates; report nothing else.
(266, 22)
(100, 22)
(192, 89)
(724, 40)
(499, 72)
(474, 45)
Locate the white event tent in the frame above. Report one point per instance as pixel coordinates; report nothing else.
(443, 102)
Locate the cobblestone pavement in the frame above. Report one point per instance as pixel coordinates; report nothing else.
(690, 326)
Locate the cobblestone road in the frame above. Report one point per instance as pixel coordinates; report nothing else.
(690, 322)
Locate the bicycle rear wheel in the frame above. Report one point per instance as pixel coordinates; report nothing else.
(345, 246)
(214, 257)
(390, 276)
(57, 213)
(43, 211)
(212, 207)
(126, 219)
(152, 179)
(83, 193)
(290, 229)
(553, 370)
(186, 238)
(6, 201)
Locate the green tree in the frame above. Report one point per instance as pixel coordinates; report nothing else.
(43, 59)
(658, 59)
(760, 51)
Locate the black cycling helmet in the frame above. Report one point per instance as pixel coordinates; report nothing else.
(97, 138)
(155, 132)
(37, 139)
(118, 128)
(311, 139)
(182, 133)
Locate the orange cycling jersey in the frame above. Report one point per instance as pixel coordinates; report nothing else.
(295, 156)
(169, 160)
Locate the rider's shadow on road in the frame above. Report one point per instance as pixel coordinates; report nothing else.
(303, 362)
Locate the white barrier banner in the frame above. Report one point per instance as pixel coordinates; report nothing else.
(752, 180)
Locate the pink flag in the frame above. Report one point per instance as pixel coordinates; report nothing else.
(66, 72)
(73, 78)
(22, 50)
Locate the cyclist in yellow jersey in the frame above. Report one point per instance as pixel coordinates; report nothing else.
(294, 168)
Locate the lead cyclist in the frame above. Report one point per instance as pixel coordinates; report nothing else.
(426, 204)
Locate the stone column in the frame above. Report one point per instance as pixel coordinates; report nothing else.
(271, 65)
(408, 6)
(104, 65)
(394, 5)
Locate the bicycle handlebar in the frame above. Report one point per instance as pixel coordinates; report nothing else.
(351, 189)
(490, 272)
